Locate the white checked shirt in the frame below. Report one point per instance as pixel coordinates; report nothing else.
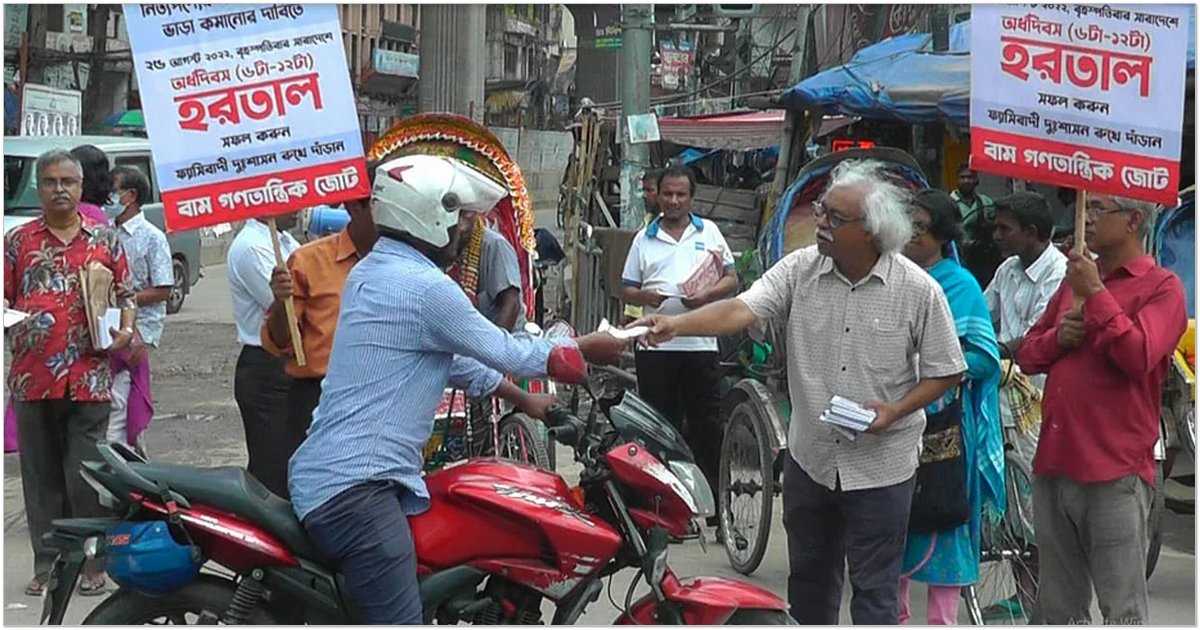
(657, 262)
(149, 258)
(250, 261)
(869, 340)
(1018, 296)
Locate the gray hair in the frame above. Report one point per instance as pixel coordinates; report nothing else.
(52, 157)
(885, 204)
(1149, 213)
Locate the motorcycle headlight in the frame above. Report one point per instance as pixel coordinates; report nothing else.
(693, 479)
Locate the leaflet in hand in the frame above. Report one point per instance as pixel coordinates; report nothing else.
(848, 417)
(705, 274)
(110, 320)
(622, 333)
(12, 317)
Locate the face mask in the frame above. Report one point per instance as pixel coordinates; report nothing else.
(113, 210)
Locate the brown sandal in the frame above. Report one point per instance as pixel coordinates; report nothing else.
(36, 587)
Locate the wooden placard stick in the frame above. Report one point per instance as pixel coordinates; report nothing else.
(288, 305)
(1080, 221)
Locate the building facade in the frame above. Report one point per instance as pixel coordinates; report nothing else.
(381, 43)
(525, 49)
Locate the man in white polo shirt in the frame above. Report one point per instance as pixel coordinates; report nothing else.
(680, 378)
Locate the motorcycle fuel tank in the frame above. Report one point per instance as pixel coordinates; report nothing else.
(511, 519)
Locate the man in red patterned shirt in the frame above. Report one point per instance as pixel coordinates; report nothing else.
(59, 383)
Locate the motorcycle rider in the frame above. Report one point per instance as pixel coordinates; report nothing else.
(405, 331)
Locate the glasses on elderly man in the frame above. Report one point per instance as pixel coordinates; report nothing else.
(1095, 210)
(835, 221)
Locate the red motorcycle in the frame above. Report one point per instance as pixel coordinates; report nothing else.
(499, 538)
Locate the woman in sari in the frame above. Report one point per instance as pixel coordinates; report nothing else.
(948, 559)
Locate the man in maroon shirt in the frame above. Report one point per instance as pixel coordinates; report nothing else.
(1094, 468)
(59, 382)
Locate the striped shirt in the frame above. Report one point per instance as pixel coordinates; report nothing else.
(404, 332)
(869, 340)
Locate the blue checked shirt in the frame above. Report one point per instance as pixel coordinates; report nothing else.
(404, 332)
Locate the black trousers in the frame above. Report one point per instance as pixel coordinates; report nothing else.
(56, 435)
(828, 528)
(303, 396)
(685, 387)
(260, 387)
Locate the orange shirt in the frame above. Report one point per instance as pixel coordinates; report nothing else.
(319, 271)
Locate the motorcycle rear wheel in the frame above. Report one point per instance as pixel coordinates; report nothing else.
(126, 607)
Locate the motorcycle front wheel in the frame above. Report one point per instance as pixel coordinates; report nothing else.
(202, 601)
(760, 618)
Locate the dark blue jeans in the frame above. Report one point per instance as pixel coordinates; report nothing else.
(366, 534)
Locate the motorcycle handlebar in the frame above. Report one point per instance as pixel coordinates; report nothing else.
(565, 428)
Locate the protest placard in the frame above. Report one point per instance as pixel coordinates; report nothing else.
(249, 109)
(1083, 96)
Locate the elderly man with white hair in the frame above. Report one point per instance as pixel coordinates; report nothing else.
(865, 323)
(1105, 364)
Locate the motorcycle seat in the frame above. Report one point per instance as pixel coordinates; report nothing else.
(234, 490)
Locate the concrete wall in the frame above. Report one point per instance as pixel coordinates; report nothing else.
(543, 157)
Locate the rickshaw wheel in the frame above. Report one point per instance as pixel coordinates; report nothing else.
(520, 441)
(747, 488)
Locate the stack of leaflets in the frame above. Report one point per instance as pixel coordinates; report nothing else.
(705, 274)
(847, 417)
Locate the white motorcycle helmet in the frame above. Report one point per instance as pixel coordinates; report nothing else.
(424, 194)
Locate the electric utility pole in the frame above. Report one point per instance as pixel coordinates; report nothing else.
(637, 24)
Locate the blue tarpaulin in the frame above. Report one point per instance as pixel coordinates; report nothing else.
(901, 79)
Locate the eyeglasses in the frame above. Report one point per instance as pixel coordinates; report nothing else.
(820, 210)
(920, 228)
(1096, 211)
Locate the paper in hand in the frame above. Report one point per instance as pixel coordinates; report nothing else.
(105, 324)
(12, 317)
(619, 333)
(706, 274)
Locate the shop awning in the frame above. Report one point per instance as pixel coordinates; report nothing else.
(738, 131)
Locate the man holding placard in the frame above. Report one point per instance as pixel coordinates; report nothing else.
(1060, 95)
(260, 385)
(313, 278)
(1094, 470)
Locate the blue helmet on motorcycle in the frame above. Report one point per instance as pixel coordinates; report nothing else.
(145, 557)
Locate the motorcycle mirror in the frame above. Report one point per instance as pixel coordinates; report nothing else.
(566, 365)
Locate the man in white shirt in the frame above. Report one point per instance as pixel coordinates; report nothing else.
(149, 257)
(1026, 280)
(680, 378)
(1024, 283)
(260, 385)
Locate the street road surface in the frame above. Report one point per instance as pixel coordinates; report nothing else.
(197, 423)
